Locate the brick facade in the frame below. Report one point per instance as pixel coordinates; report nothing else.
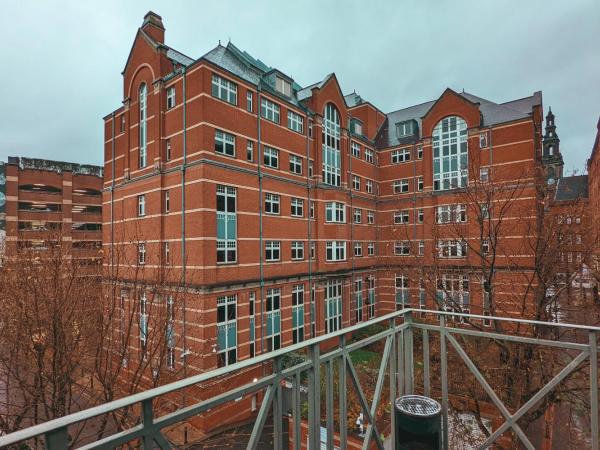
(188, 171)
(51, 200)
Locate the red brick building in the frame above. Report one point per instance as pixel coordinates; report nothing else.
(593, 168)
(45, 201)
(287, 211)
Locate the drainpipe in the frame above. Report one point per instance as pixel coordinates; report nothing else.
(260, 219)
(311, 306)
(183, 249)
(351, 220)
(112, 199)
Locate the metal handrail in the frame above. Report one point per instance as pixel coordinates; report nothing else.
(145, 398)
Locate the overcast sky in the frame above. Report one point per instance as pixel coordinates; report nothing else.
(62, 61)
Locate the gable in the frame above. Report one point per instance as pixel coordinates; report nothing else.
(329, 92)
(144, 53)
(451, 104)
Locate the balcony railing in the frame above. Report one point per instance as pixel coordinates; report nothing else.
(402, 336)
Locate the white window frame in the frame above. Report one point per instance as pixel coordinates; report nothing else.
(452, 248)
(333, 305)
(402, 248)
(270, 157)
(273, 307)
(224, 355)
(404, 129)
(355, 149)
(370, 217)
(332, 161)
(297, 207)
(249, 101)
(296, 164)
(141, 253)
(297, 250)
(371, 249)
(227, 141)
(450, 154)
(402, 217)
(420, 184)
(143, 128)
(356, 182)
(272, 251)
(369, 156)
(283, 86)
(369, 186)
(270, 110)
(272, 203)
(358, 249)
(484, 174)
(335, 212)
(250, 151)
(401, 186)
(141, 200)
(171, 100)
(295, 122)
(400, 155)
(357, 215)
(226, 244)
(335, 251)
(224, 89)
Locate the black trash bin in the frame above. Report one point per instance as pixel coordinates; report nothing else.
(418, 423)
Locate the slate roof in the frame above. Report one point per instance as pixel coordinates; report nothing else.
(571, 188)
(254, 71)
(492, 113)
(305, 93)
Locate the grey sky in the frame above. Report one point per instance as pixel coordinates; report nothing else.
(62, 61)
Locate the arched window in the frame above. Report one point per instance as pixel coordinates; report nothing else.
(143, 129)
(332, 161)
(450, 154)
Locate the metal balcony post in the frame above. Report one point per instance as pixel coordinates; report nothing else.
(444, 374)
(426, 376)
(147, 421)
(329, 403)
(409, 369)
(393, 382)
(342, 394)
(314, 399)
(594, 388)
(57, 439)
(278, 407)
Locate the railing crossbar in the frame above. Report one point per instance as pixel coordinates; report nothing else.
(398, 346)
(489, 390)
(502, 337)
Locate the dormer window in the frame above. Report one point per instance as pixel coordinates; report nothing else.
(283, 86)
(357, 127)
(404, 129)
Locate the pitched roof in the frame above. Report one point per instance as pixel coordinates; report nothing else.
(493, 113)
(572, 188)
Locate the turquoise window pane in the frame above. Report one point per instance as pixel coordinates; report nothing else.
(277, 323)
(269, 324)
(231, 227)
(232, 335)
(221, 336)
(221, 226)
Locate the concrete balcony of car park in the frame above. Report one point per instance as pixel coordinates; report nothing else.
(310, 392)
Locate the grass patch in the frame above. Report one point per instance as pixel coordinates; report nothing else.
(362, 356)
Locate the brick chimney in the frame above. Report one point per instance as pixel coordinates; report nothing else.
(153, 27)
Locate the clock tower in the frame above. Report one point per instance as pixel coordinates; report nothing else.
(551, 156)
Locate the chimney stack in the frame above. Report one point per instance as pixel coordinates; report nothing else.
(153, 27)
